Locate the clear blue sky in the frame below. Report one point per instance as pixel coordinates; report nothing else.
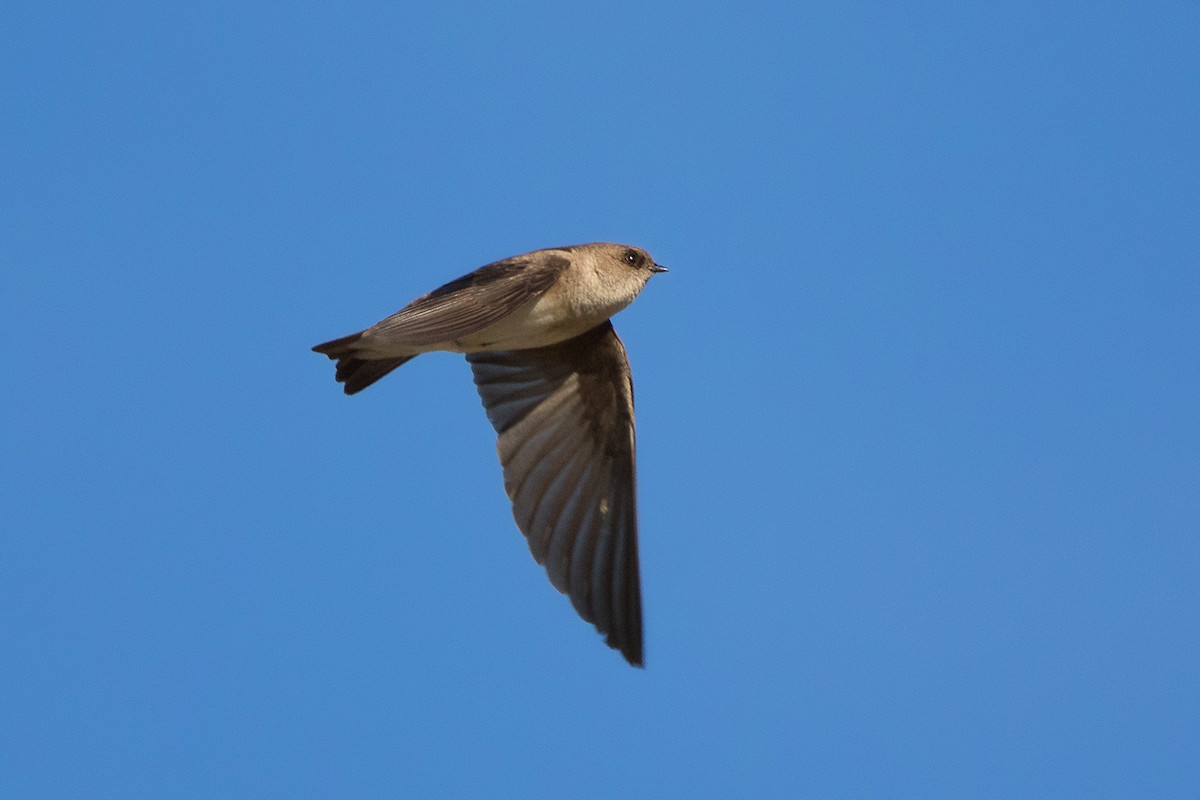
(919, 444)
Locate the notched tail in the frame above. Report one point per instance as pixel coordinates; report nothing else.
(355, 372)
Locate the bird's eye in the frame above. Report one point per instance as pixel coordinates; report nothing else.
(631, 257)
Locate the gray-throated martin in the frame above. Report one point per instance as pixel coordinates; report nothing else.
(556, 386)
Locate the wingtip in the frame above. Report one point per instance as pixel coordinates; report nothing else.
(631, 651)
(336, 348)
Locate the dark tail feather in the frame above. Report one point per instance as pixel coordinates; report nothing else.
(357, 373)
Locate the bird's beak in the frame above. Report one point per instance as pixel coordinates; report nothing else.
(659, 268)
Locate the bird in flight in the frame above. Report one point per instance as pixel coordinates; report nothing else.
(556, 386)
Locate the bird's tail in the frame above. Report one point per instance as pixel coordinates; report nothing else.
(355, 372)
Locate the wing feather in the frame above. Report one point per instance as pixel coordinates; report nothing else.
(470, 303)
(564, 416)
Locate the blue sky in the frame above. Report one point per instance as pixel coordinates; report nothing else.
(919, 455)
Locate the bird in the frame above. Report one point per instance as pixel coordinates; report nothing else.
(555, 383)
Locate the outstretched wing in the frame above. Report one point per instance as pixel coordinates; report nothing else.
(471, 303)
(564, 415)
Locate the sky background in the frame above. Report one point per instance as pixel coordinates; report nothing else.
(919, 450)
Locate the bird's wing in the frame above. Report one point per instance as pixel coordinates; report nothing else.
(472, 302)
(564, 415)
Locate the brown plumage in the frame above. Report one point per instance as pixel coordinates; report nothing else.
(555, 382)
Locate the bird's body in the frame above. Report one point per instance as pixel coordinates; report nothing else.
(555, 382)
(547, 296)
